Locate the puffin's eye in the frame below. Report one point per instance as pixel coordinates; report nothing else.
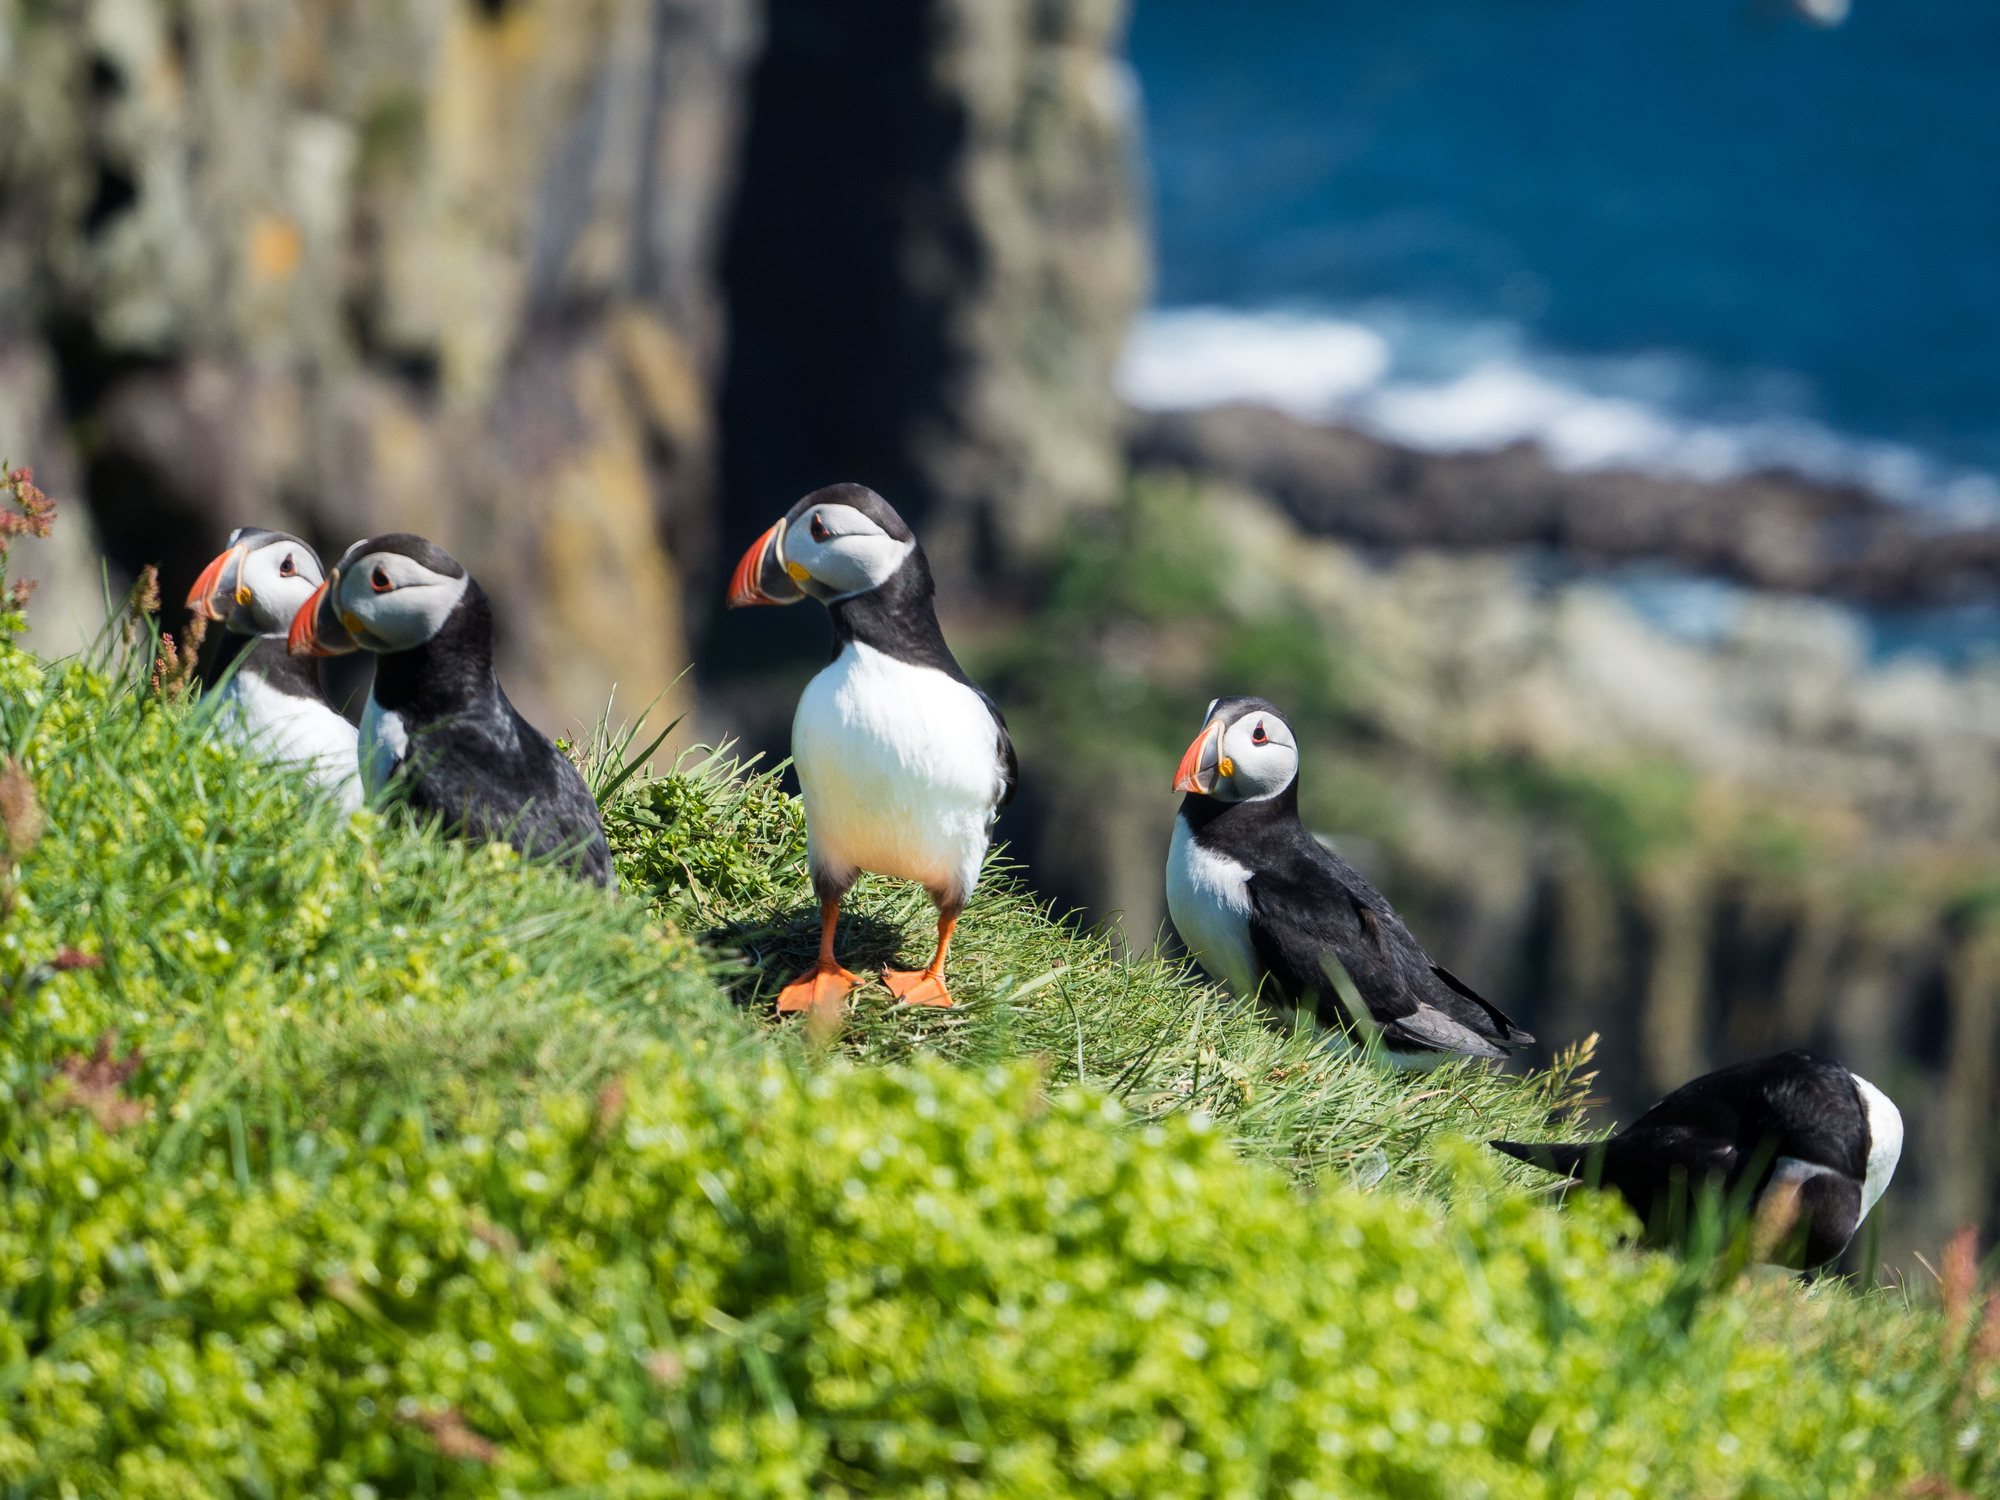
(286, 568)
(820, 533)
(379, 580)
(1257, 735)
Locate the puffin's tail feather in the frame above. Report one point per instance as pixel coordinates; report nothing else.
(1500, 1027)
(1564, 1158)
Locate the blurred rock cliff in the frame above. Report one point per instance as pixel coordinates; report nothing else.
(570, 285)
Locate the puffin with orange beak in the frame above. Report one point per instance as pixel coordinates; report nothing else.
(903, 764)
(1275, 915)
(272, 703)
(437, 726)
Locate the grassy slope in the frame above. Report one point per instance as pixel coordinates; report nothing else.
(722, 854)
(414, 1171)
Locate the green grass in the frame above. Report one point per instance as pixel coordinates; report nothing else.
(721, 853)
(342, 1160)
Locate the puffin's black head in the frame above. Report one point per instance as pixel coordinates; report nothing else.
(258, 583)
(836, 543)
(389, 593)
(1246, 752)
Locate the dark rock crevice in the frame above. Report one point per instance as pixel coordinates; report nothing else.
(931, 258)
(840, 263)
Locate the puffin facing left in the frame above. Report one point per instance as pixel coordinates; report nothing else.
(903, 763)
(437, 723)
(272, 702)
(1271, 912)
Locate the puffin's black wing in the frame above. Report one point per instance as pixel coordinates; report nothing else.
(563, 820)
(1569, 1159)
(1793, 1116)
(1742, 1119)
(493, 775)
(1702, 1131)
(1641, 1164)
(1657, 1170)
(1310, 909)
(1648, 1168)
(1010, 765)
(1793, 1103)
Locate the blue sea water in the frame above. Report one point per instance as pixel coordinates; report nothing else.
(1696, 234)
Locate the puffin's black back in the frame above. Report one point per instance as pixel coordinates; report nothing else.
(1798, 1104)
(1726, 1126)
(1309, 905)
(474, 761)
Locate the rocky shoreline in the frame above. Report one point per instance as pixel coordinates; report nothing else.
(1773, 530)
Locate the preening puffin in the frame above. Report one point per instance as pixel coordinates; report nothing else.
(437, 722)
(272, 702)
(1799, 1123)
(903, 763)
(1271, 912)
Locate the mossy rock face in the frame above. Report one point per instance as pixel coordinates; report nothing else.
(1629, 816)
(341, 1159)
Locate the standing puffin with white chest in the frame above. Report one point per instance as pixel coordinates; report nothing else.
(437, 722)
(272, 702)
(1804, 1126)
(1271, 912)
(903, 763)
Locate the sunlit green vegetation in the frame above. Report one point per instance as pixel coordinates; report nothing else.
(342, 1160)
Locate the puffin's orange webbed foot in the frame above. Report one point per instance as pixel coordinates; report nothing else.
(824, 985)
(917, 987)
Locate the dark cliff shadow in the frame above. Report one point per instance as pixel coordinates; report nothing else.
(842, 265)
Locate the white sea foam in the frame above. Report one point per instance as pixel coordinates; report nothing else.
(1469, 387)
(1205, 356)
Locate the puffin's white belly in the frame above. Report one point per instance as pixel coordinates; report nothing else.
(900, 770)
(294, 731)
(383, 743)
(1208, 897)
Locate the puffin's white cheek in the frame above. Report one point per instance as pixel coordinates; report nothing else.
(1284, 763)
(1258, 769)
(290, 599)
(841, 570)
(1239, 750)
(403, 617)
(857, 563)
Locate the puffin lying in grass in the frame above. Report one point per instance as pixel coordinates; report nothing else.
(903, 763)
(1267, 909)
(273, 703)
(1793, 1126)
(437, 723)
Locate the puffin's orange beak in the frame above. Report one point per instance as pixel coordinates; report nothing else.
(315, 631)
(761, 576)
(1203, 762)
(216, 588)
